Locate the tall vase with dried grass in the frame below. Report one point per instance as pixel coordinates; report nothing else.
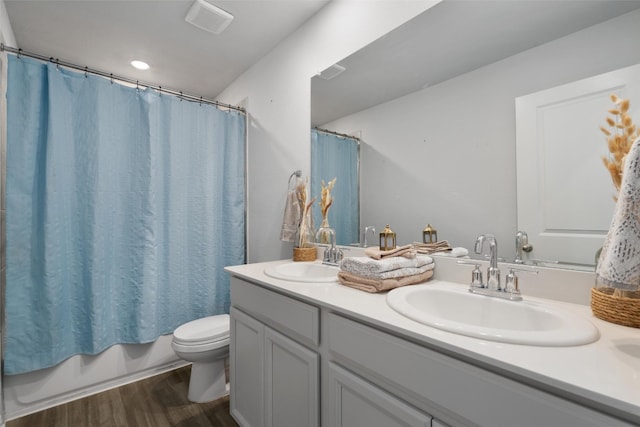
(613, 298)
(326, 200)
(620, 136)
(305, 247)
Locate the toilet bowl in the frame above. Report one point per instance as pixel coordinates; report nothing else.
(205, 343)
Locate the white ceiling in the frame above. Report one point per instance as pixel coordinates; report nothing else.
(451, 38)
(448, 40)
(107, 34)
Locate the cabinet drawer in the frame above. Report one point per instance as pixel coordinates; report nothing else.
(294, 318)
(438, 381)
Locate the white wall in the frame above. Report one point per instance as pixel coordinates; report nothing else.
(446, 155)
(6, 32)
(276, 92)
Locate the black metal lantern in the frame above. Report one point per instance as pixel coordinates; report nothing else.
(387, 239)
(429, 234)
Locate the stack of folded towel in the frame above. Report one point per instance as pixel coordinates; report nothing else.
(371, 274)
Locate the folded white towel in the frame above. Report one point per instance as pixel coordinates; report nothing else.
(399, 272)
(454, 252)
(291, 218)
(365, 266)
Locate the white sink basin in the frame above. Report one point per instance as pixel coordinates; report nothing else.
(309, 272)
(451, 307)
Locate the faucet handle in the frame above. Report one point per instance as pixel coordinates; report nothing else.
(476, 274)
(511, 281)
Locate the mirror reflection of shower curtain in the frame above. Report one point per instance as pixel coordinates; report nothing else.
(334, 156)
(123, 208)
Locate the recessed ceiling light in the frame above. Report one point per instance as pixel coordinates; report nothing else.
(140, 65)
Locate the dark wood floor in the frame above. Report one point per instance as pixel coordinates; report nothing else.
(159, 401)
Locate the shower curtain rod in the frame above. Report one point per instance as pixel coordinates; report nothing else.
(138, 83)
(344, 135)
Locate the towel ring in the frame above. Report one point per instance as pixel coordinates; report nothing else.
(296, 173)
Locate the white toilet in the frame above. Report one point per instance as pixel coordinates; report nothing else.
(205, 343)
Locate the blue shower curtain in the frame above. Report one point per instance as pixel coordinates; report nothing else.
(123, 206)
(334, 156)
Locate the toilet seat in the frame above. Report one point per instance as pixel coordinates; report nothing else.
(212, 331)
(200, 347)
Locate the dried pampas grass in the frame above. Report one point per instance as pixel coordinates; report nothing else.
(620, 137)
(326, 200)
(305, 229)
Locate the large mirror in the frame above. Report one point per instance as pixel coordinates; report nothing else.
(434, 104)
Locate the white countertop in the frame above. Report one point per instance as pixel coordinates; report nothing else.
(604, 375)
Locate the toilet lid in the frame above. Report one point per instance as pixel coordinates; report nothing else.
(212, 328)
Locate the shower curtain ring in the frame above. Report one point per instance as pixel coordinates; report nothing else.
(137, 85)
(111, 78)
(19, 52)
(85, 72)
(200, 101)
(180, 96)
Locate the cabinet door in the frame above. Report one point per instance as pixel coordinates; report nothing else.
(246, 364)
(357, 403)
(291, 383)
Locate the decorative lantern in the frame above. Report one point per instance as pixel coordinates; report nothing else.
(387, 239)
(429, 234)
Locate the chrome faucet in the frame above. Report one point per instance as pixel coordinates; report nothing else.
(332, 254)
(493, 272)
(493, 287)
(368, 229)
(522, 245)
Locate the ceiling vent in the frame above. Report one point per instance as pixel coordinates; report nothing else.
(208, 17)
(331, 72)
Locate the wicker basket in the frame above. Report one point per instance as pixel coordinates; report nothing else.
(622, 310)
(305, 254)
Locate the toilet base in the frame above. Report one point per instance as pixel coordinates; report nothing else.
(207, 382)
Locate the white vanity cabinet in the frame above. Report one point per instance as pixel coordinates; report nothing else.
(299, 358)
(274, 378)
